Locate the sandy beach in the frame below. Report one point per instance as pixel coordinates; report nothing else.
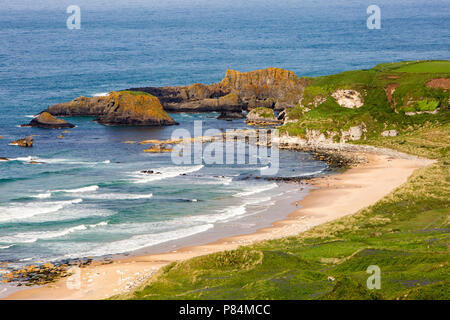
(335, 196)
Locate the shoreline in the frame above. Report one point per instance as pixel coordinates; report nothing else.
(337, 196)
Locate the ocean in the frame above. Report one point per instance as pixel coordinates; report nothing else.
(89, 197)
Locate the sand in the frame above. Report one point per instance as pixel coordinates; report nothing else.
(336, 196)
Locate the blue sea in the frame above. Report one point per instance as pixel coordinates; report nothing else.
(88, 198)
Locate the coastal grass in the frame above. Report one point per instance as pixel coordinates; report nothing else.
(406, 234)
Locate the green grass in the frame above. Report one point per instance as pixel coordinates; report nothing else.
(426, 67)
(407, 233)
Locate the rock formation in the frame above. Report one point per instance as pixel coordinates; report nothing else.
(25, 142)
(118, 108)
(262, 116)
(46, 120)
(270, 88)
(231, 115)
(348, 98)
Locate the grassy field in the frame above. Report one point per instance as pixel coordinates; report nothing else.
(406, 234)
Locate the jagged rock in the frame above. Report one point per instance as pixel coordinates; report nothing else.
(118, 108)
(271, 88)
(25, 142)
(348, 98)
(46, 120)
(390, 133)
(231, 115)
(262, 116)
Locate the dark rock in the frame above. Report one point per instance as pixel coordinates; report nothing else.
(231, 115)
(46, 120)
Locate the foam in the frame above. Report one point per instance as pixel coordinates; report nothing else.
(20, 211)
(166, 173)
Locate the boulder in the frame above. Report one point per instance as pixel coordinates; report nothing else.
(390, 133)
(46, 120)
(348, 98)
(26, 142)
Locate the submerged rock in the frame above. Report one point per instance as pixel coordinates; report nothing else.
(47, 120)
(158, 149)
(26, 142)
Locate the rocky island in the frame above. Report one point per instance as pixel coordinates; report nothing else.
(118, 108)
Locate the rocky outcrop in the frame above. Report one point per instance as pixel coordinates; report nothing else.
(25, 142)
(261, 116)
(196, 98)
(118, 108)
(158, 148)
(270, 88)
(439, 83)
(46, 120)
(231, 115)
(348, 98)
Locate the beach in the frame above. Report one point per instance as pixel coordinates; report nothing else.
(333, 197)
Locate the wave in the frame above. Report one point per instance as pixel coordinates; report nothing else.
(58, 160)
(256, 189)
(311, 173)
(101, 94)
(5, 247)
(42, 195)
(80, 190)
(20, 211)
(119, 196)
(168, 172)
(31, 237)
(141, 241)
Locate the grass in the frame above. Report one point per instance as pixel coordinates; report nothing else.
(406, 233)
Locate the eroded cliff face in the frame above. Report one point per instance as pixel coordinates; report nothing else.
(118, 108)
(271, 88)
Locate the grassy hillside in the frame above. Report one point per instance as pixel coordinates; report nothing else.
(406, 233)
